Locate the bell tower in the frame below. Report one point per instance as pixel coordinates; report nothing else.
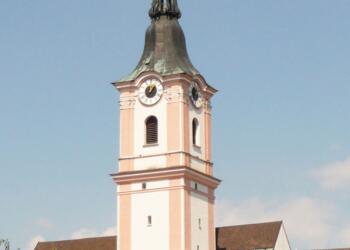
(165, 183)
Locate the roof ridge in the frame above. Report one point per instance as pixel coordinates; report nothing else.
(254, 224)
(340, 248)
(87, 238)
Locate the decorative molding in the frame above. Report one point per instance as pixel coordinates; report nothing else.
(180, 187)
(207, 106)
(165, 154)
(127, 102)
(172, 96)
(166, 173)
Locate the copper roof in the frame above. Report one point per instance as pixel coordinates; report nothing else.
(165, 50)
(244, 237)
(248, 237)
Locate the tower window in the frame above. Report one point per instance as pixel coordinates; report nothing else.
(149, 220)
(151, 130)
(196, 186)
(199, 224)
(195, 132)
(144, 185)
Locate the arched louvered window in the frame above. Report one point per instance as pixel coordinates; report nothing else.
(151, 130)
(195, 132)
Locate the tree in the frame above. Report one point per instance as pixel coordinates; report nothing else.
(5, 244)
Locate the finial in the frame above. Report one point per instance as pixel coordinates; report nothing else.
(164, 8)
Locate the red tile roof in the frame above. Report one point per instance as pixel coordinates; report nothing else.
(248, 237)
(101, 243)
(244, 237)
(333, 249)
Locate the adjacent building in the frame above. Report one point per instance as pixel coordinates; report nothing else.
(264, 236)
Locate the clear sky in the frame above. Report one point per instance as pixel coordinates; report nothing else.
(280, 125)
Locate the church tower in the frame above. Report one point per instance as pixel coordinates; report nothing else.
(165, 183)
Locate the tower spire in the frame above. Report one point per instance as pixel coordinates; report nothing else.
(164, 8)
(165, 49)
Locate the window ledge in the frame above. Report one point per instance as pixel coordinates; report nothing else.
(196, 146)
(151, 145)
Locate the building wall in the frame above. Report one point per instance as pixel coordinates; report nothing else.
(155, 204)
(174, 204)
(164, 201)
(282, 242)
(175, 114)
(199, 115)
(200, 187)
(142, 112)
(198, 151)
(124, 217)
(199, 232)
(134, 207)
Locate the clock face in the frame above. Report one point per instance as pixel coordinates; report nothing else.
(195, 95)
(150, 91)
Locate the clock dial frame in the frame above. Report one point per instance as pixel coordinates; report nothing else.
(195, 95)
(150, 91)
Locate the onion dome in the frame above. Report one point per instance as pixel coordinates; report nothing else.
(165, 49)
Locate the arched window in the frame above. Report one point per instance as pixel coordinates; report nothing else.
(195, 132)
(151, 130)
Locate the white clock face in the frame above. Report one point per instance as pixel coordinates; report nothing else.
(195, 95)
(150, 91)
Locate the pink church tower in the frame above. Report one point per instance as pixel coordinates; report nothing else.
(165, 183)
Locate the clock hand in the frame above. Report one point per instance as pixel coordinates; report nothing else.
(151, 88)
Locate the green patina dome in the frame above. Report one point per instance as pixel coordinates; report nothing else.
(165, 49)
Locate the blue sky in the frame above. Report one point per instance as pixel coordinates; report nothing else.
(281, 118)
